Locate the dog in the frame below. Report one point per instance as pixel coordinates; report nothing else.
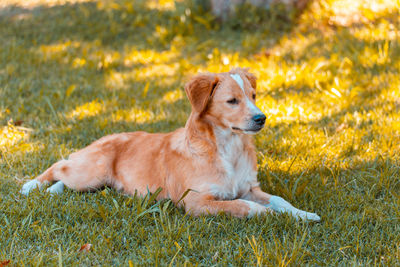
(213, 156)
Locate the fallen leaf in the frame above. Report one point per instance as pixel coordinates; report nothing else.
(4, 263)
(85, 248)
(264, 53)
(18, 122)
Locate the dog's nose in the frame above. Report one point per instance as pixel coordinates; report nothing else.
(259, 119)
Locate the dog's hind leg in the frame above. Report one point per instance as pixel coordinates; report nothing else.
(87, 169)
(40, 181)
(75, 173)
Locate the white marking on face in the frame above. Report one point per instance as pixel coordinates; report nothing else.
(253, 108)
(238, 80)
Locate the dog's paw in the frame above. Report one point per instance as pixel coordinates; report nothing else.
(308, 216)
(280, 205)
(57, 188)
(29, 186)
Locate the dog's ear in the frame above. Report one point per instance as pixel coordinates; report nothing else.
(252, 79)
(200, 91)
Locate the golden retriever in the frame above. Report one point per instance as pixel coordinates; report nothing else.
(213, 155)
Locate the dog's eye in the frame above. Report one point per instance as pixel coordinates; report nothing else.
(254, 96)
(233, 101)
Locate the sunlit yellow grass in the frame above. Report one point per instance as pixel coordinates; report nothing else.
(137, 115)
(10, 135)
(173, 96)
(90, 109)
(15, 141)
(384, 31)
(161, 4)
(149, 57)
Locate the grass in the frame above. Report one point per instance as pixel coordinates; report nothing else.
(329, 82)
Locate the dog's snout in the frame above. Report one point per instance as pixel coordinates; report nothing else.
(259, 119)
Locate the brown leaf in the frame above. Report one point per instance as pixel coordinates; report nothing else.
(4, 263)
(264, 53)
(18, 122)
(85, 248)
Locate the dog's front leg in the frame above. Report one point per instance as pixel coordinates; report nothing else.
(278, 204)
(207, 204)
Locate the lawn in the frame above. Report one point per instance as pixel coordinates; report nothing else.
(329, 82)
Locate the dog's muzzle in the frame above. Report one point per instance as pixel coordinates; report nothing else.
(255, 124)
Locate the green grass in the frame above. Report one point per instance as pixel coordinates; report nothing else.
(329, 84)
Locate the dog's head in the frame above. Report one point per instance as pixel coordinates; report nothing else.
(227, 99)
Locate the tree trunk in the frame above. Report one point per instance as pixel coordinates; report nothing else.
(225, 8)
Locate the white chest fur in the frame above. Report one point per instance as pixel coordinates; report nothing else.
(237, 170)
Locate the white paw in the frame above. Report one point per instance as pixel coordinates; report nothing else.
(280, 205)
(29, 186)
(304, 215)
(57, 188)
(313, 217)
